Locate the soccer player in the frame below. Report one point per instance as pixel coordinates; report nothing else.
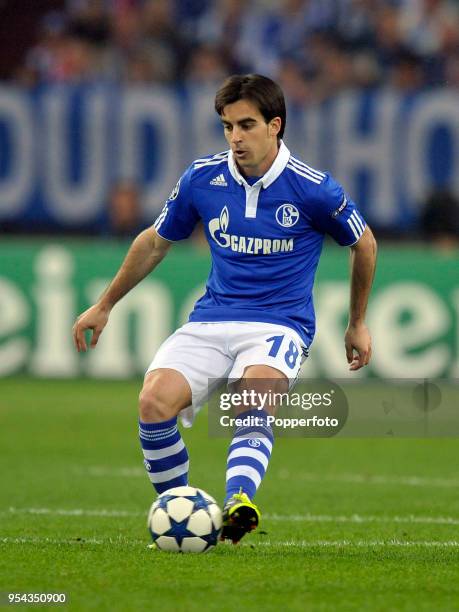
(265, 215)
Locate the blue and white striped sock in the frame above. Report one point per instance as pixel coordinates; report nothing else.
(248, 455)
(165, 454)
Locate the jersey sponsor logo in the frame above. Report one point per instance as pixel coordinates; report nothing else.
(287, 215)
(175, 191)
(339, 210)
(218, 227)
(245, 244)
(219, 181)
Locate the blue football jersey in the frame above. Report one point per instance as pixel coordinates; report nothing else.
(265, 238)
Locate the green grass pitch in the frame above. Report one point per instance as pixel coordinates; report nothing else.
(346, 524)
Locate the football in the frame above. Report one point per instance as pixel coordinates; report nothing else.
(185, 519)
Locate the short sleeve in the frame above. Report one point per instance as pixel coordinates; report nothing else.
(179, 217)
(334, 213)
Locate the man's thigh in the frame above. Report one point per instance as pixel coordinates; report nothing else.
(198, 352)
(261, 344)
(261, 385)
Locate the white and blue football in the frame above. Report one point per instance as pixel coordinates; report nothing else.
(185, 519)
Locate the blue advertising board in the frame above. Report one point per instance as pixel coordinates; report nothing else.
(63, 147)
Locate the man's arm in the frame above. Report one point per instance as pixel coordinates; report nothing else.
(357, 337)
(145, 253)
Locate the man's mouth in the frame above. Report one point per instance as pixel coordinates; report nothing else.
(239, 152)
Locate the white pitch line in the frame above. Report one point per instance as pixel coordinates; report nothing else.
(363, 543)
(77, 541)
(293, 518)
(287, 544)
(358, 518)
(75, 512)
(411, 481)
(364, 479)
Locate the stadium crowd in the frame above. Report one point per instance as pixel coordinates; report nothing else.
(314, 48)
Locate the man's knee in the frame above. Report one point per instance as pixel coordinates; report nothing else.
(162, 397)
(153, 406)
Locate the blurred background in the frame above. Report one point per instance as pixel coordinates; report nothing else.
(103, 104)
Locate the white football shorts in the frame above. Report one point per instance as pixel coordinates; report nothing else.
(223, 350)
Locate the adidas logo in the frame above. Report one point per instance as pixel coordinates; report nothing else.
(219, 181)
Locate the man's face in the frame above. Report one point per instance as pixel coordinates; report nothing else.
(252, 140)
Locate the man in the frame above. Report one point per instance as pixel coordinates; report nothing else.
(265, 215)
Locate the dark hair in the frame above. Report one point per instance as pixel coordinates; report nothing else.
(265, 93)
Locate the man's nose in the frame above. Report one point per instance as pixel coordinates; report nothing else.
(236, 135)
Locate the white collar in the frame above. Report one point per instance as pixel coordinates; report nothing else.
(273, 173)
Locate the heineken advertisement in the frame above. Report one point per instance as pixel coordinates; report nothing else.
(44, 285)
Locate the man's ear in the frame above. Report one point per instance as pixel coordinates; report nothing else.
(275, 126)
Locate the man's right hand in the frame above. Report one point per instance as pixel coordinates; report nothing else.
(95, 318)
